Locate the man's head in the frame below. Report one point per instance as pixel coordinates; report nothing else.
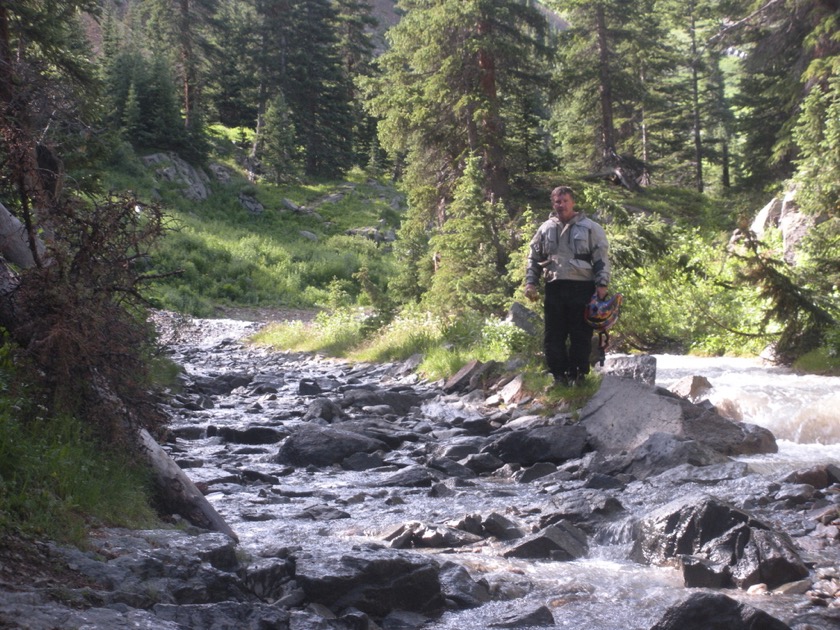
(563, 202)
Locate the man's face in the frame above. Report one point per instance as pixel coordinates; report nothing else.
(564, 206)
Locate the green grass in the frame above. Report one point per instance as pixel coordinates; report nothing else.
(218, 253)
(56, 478)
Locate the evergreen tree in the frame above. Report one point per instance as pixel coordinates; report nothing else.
(233, 84)
(470, 253)
(450, 85)
(180, 28)
(605, 87)
(45, 78)
(318, 90)
(781, 42)
(278, 140)
(355, 27)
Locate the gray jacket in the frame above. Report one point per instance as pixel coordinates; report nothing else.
(577, 250)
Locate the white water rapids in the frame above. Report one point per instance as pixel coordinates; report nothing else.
(802, 411)
(608, 592)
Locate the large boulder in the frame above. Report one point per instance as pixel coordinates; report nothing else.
(624, 413)
(717, 544)
(373, 580)
(713, 611)
(195, 184)
(638, 367)
(322, 446)
(555, 444)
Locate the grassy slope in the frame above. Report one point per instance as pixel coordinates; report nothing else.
(222, 254)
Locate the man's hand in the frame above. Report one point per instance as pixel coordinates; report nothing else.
(602, 292)
(531, 292)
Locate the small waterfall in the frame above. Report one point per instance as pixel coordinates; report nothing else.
(802, 409)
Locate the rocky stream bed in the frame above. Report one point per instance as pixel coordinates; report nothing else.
(363, 498)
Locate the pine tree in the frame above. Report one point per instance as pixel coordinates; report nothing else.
(354, 27)
(451, 83)
(278, 140)
(318, 90)
(470, 253)
(233, 84)
(597, 63)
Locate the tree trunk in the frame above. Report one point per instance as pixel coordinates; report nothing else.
(605, 85)
(178, 492)
(695, 98)
(495, 170)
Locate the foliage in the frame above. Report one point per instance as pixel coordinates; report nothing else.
(55, 476)
(804, 317)
(456, 76)
(817, 134)
(81, 319)
(470, 251)
(278, 141)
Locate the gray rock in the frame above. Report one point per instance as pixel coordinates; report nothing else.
(373, 580)
(560, 541)
(693, 388)
(540, 617)
(555, 444)
(712, 611)
(623, 414)
(730, 540)
(323, 446)
(636, 367)
(458, 586)
(524, 318)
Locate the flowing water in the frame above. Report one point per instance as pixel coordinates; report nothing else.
(605, 591)
(608, 592)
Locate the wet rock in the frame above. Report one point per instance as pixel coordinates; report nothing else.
(554, 444)
(411, 477)
(623, 414)
(693, 388)
(663, 451)
(224, 615)
(458, 586)
(322, 513)
(362, 461)
(817, 620)
(251, 435)
(450, 468)
(640, 367)
(540, 469)
(710, 611)
(541, 617)
(324, 446)
(417, 534)
(324, 409)
(770, 558)
(221, 385)
(401, 402)
(373, 580)
(482, 463)
(582, 506)
(561, 541)
(739, 549)
(820, 477)
(501, 527)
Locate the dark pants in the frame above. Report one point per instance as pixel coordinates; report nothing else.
(568, 337)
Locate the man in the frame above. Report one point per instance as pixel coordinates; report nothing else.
(571, 252)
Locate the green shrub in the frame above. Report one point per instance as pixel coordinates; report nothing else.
(56, 477)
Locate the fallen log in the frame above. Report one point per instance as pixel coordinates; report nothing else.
(177, 491)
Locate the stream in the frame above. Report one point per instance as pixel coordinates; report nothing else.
(604, 591)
